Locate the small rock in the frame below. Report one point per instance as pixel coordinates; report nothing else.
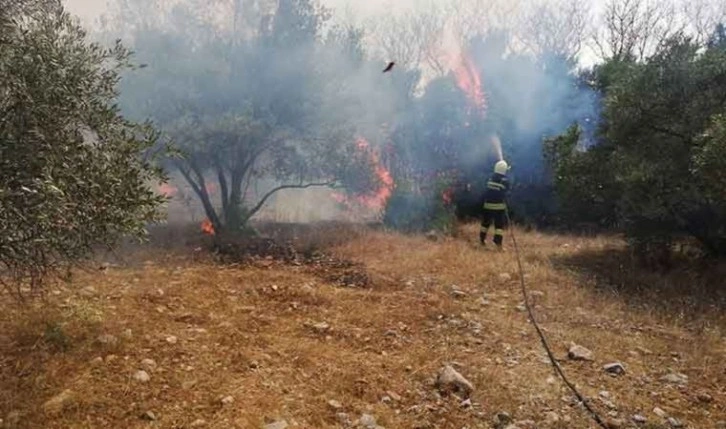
(604, 394)
(110, 358)
(674, 422)
(466, 403)
(456, 293)
(127, 334)
(198, 423)
(88, 292)
(321, 327)
(172, 339)
(705, 397)
(386, 399)
(526, 424)
(97, 361)
(282, 424)
(142, 376)
(432, 235)
(613, 423)
(505, 277)
(395, 396)
(367, 421)
(149, 364)
(615, 368)
(107, 339)
(643, 351)
(343, 419)
(58, 403)
(521, 308)
(484, 302)
(449, 380)
(578, 352)
(675, 378)
(552, 417)
(149, 415)
(503, 418)
(227, 400)
(659, 412)
(335, 405)
(640, 419)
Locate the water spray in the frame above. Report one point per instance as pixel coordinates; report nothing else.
(497, 146)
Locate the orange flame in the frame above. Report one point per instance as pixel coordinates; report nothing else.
(468, 80)
(447, 196)
(377, 199)
(207, 227)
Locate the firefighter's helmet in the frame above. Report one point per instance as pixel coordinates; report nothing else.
(501, 167)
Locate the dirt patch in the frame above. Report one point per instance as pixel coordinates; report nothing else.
(267, 252)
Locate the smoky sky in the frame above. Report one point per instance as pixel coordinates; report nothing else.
(358, 10)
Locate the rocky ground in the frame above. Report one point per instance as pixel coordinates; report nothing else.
(376, 330)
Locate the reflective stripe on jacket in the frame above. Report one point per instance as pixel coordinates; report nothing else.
(495, 196)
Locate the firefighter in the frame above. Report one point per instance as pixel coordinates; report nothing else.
(495, 205)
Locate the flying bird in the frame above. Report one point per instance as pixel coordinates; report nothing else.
(389, 67)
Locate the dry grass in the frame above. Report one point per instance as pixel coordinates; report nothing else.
(246, 332)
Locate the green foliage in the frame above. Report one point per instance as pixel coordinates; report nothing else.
(75, 174)
(710, 160)
(583, 180)
(411, 209)
(659, 167)
(56, 337)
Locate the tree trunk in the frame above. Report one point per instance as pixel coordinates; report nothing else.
(234, 212)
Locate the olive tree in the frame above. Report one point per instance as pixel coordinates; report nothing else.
(74, 174)
(253, 103)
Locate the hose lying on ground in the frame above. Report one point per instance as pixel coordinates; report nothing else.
(595, 416)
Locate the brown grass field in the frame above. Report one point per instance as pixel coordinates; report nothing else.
(247, 333)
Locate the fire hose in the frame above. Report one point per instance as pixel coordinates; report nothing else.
(595, 416)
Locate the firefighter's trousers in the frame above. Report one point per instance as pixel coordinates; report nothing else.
(499, 219)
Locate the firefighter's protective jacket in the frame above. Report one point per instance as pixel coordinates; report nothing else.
(495, 195)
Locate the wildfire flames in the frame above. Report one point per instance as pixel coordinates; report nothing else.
(448, 196)
(207, 227)
(380, 196)
(468, 80)
(376, 199)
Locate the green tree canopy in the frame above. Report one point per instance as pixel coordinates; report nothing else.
(662, 147)
(73, 172)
